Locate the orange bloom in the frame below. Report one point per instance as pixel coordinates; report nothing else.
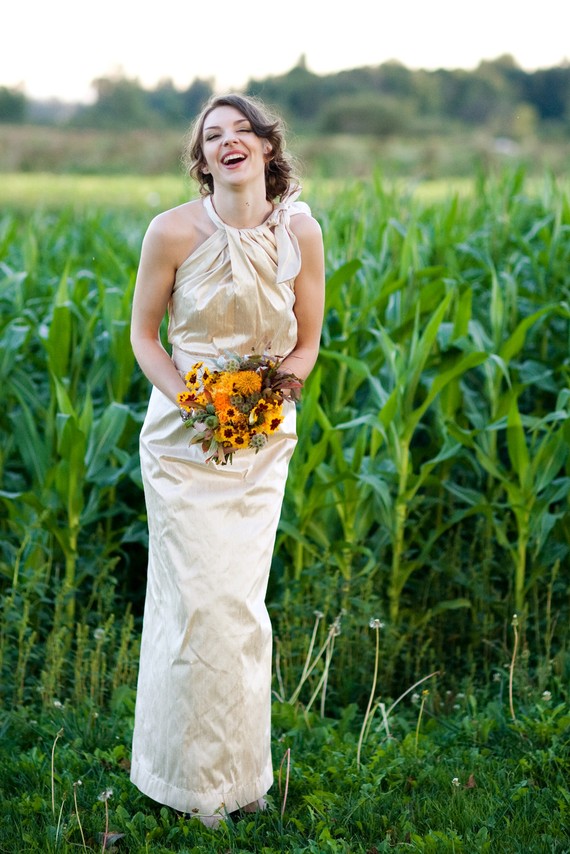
(246, 382)
(221, 382)
(221, 401)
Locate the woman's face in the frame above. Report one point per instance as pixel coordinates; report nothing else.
(233, 154)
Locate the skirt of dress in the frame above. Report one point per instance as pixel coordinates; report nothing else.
(202, 740)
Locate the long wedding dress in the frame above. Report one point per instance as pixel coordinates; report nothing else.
(202, 724)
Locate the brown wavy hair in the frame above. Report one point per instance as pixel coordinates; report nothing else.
(279, 178)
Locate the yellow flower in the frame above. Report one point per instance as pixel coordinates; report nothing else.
(192, 375)
(225, 434)
(274, 423)
(268, 416)
(211, 380)
(185, 400)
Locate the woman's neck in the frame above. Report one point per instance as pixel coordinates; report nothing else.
(241, 209)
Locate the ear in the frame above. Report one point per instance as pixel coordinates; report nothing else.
(268, 150)
(204, 170)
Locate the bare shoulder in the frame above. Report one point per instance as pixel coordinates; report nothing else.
(305, 228)
(310, 239)
(179, 217)
(177, 232)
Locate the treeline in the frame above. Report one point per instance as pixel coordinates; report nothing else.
(385, 100)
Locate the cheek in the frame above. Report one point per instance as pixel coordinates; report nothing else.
(207, 158)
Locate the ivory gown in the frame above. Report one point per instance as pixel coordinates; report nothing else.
(202, 723)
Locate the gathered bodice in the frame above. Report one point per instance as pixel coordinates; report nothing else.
(235, 292)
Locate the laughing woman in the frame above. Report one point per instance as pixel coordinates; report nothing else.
(240, 270)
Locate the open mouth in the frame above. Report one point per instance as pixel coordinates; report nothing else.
(233, 159)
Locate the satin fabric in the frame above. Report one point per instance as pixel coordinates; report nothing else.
(201, 740)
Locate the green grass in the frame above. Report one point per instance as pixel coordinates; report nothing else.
(470, 781)
(44, 190)
(151, 194)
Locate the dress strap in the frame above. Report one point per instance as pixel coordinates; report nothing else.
(288, 252)
(209, 208)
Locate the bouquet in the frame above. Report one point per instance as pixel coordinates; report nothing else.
(235, 407)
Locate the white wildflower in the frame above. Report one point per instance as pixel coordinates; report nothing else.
(104, 796)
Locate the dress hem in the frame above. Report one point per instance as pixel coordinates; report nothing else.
(199, 803)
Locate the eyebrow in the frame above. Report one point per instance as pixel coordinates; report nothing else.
(217, 127)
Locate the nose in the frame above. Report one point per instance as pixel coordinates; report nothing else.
(230, 136)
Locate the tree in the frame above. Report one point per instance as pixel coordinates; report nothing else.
(120, 103)
(549, 90)
(297, 94)
(194, 97)
(368, 113)
(13, 105)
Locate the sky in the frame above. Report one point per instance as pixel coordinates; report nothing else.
(56, 49)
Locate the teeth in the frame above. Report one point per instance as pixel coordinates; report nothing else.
(231, 157)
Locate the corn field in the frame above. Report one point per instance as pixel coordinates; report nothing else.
(430, 487)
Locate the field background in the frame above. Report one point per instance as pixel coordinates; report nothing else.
(420, 589)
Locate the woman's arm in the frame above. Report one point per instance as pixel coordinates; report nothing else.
(309, 296)
(160, 256)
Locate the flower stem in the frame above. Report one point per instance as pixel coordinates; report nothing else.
(371, 697)
(514, 624)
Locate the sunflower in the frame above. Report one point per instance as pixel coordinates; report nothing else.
(186, 399)
(270, 418)
(225, 434)
(192, 375)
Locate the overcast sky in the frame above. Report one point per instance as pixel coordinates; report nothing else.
(55, 49)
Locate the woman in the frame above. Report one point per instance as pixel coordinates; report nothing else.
(241, 270)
